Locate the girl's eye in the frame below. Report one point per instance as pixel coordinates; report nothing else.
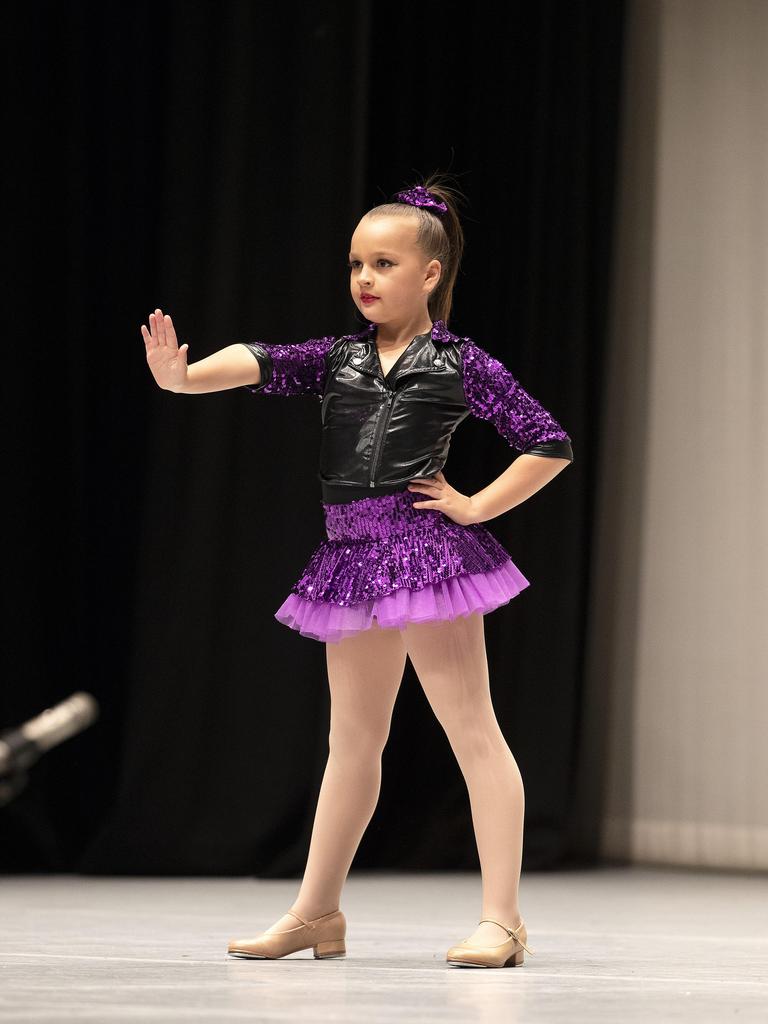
(351, 263)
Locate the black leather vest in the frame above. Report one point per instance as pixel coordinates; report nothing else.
(381, 431)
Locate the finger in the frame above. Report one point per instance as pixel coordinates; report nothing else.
(160, 327)
(170, 332)
(155, 323)
(431, 489)
(150, 337)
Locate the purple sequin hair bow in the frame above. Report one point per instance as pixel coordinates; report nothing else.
(419, 196)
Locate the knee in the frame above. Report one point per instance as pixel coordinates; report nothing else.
(357, 742)
(473, 737)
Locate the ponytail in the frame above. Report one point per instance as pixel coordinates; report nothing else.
(440, 236)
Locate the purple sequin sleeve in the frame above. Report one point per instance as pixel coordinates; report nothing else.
(293, 369)
(493, 394)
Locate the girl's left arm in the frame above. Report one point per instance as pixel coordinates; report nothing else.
(493, 394)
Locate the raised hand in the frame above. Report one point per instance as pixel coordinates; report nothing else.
(166, 359)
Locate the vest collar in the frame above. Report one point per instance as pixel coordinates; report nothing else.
(420, 354)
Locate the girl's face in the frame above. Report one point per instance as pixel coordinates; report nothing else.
(385, 261)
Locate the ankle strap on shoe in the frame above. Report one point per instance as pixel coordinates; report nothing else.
(512, 931)
(311, 924)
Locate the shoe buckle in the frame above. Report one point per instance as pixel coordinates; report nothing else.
(517, 937)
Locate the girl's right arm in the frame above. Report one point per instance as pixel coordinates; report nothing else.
(230, 367)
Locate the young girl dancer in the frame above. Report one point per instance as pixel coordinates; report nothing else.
(408, 569)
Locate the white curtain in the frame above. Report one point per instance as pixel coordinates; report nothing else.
(676, 724)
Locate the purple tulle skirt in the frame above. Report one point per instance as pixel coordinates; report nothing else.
(388, 561)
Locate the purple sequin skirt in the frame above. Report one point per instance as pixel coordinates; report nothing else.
(386, 560)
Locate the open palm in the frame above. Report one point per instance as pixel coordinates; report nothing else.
(166, 359)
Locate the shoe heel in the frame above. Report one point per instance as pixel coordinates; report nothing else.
(516, 960)
(326, 950)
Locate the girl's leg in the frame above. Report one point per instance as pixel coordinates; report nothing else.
(364, 674)
(450, 660)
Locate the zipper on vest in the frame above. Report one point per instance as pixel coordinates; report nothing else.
(379, 440)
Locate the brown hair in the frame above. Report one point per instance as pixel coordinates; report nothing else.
(440, 236)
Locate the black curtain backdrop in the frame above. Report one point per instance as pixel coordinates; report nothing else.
(213, 160)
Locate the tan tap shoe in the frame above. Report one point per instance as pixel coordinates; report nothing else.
(508, 953)
(325, 934)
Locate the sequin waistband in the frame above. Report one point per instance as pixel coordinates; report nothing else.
(384, 516)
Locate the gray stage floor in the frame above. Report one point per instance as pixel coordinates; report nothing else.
(614, 945)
